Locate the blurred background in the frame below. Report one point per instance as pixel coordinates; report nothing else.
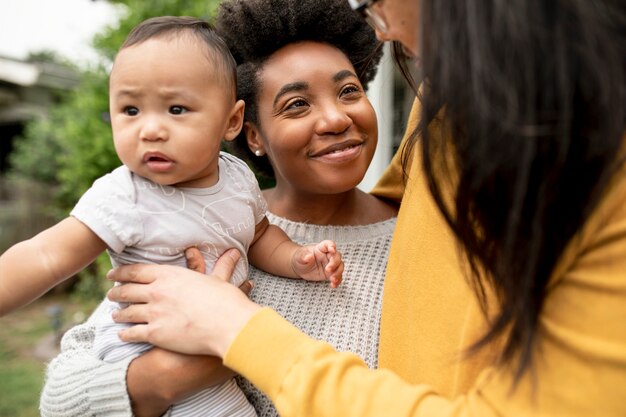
(55, 140)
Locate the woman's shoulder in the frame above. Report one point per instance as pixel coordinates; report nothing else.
(603, 236)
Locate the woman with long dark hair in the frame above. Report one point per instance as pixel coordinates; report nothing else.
(505, 292)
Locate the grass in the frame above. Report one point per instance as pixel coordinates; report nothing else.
(20, 384)
(27, 342)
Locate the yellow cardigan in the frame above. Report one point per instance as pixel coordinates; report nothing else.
(430, 315)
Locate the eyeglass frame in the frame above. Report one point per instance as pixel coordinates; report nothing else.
(374, 19)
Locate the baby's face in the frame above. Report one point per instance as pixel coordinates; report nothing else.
(169, 111)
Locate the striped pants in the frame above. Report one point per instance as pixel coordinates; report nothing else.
(218, 401)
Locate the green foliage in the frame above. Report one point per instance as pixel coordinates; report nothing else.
(35, 154)
(110, 40)
(84, 135)
(73, 146)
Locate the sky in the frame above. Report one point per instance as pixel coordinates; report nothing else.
(64, 26)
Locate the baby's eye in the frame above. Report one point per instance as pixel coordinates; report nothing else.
(131, 111)
(178, 110)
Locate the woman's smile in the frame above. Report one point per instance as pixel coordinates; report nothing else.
(340, 152)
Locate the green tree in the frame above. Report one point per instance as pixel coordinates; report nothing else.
(72, 147)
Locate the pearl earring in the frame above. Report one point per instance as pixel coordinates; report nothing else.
(259, 152)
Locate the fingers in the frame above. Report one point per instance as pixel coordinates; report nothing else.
(319, 262)
(137, 333)
(246, 287)
(336, 277)
(225, 265)
(195, 260)
(334, 267)
(128, 293)
(138, 273)
(134, 313)
(326, 246)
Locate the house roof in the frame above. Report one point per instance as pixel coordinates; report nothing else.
(45, 74)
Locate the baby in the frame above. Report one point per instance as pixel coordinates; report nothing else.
(172, 101)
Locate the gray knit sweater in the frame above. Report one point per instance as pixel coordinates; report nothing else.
(348, 317)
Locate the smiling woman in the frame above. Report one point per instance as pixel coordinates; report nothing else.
(315, 122)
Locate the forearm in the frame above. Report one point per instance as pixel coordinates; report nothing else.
(24, 276)
(328, 383)
(32, 267)
(160, 378)
(273, 252)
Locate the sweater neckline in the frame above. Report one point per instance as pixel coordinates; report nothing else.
(307, 232)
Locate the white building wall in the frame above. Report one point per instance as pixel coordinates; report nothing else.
(380, 93)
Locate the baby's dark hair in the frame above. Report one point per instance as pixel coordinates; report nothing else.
(218, 52)
(255, 29)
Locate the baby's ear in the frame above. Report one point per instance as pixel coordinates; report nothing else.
(235, 121)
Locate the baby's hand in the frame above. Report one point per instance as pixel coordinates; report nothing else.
(320, 262)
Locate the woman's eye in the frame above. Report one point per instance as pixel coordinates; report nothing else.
(350, 89)
(295, 104)
(178, 110)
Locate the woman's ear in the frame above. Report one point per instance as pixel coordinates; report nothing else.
(235, 121)
(253, 136)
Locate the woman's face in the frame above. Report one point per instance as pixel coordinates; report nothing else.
(403, 21)
(315, 122)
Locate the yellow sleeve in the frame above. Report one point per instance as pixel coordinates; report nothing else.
(579, 366)
(306, 378)
(391, 184)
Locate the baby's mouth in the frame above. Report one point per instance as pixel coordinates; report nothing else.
(157, 161)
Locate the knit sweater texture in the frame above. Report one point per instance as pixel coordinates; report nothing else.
(348, 317)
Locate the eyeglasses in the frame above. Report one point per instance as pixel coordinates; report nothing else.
(375, 19)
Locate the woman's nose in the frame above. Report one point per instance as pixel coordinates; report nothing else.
(333, 120)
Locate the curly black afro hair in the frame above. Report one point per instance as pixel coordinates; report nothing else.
(255, 29)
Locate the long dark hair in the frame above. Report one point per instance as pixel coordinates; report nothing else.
(531, 97)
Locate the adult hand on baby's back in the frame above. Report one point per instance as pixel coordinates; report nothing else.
(179, 309)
